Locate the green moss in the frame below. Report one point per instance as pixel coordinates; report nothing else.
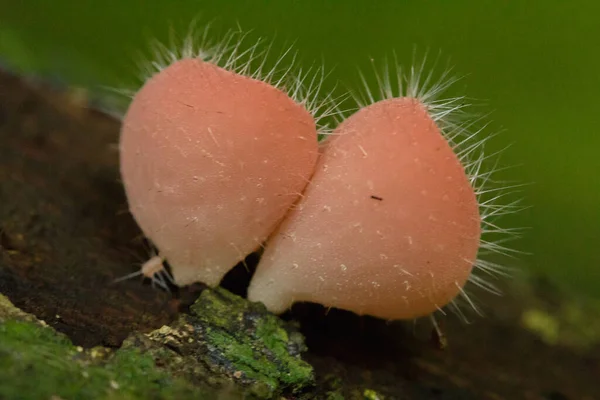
(9, 311)
(228, 340)
(219, 308)
(255, 341)
(38, 363)
(225, 341)
(254, 364)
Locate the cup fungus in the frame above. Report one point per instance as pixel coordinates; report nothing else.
(211, 161)
(390, 225)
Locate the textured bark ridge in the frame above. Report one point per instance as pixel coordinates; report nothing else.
(65, 235)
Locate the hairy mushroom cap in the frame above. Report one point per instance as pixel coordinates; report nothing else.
(388, 227)
(211, 161)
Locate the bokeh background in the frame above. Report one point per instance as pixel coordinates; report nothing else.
(534, 64)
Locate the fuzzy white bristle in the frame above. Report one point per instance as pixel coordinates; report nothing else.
(152, 268)
(304, 86)
(463, 130)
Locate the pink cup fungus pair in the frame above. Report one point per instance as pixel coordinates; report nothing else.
(382, 219)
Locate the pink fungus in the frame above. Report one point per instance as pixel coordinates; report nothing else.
(388, 227)
(211, 161)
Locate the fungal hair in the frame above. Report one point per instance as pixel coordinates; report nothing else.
(235, 51)
(153, 269)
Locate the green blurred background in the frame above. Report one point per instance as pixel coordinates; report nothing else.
(535, 65)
